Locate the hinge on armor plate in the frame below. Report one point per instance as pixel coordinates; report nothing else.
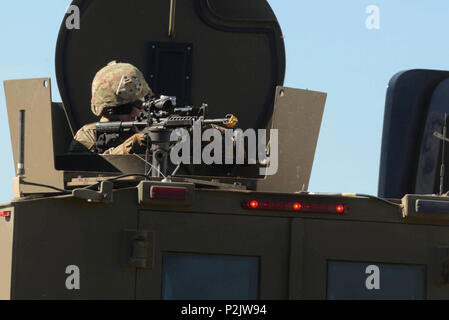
(104, 195)
(137, 249)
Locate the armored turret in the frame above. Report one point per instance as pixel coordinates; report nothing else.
(227, 54)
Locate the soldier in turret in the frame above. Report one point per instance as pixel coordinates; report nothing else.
(118, 92)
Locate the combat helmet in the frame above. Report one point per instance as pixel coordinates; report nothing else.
(117, 84)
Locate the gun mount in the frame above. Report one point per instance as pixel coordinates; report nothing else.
(159, 120)
(158, 132)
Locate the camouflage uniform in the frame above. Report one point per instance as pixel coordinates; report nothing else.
(85, 141)
(115, 85)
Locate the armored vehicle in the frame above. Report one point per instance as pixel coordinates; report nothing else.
(89, 226)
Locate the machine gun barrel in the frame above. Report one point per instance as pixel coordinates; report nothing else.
(222, 121)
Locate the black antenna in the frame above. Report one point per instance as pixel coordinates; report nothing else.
(21, 163)
(442, 155)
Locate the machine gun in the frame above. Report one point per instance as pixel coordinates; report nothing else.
(160, 117)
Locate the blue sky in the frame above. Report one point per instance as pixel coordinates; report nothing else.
(328, 49)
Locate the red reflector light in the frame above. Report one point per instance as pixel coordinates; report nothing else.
(279, 205)
(168, 193)
(5, 214)
(254, 204)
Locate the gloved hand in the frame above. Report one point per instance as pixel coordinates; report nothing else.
(135, 144)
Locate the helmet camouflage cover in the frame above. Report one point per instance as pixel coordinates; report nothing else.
(117, 84)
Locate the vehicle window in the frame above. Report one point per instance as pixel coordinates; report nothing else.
(209, 277)
(366, 281)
